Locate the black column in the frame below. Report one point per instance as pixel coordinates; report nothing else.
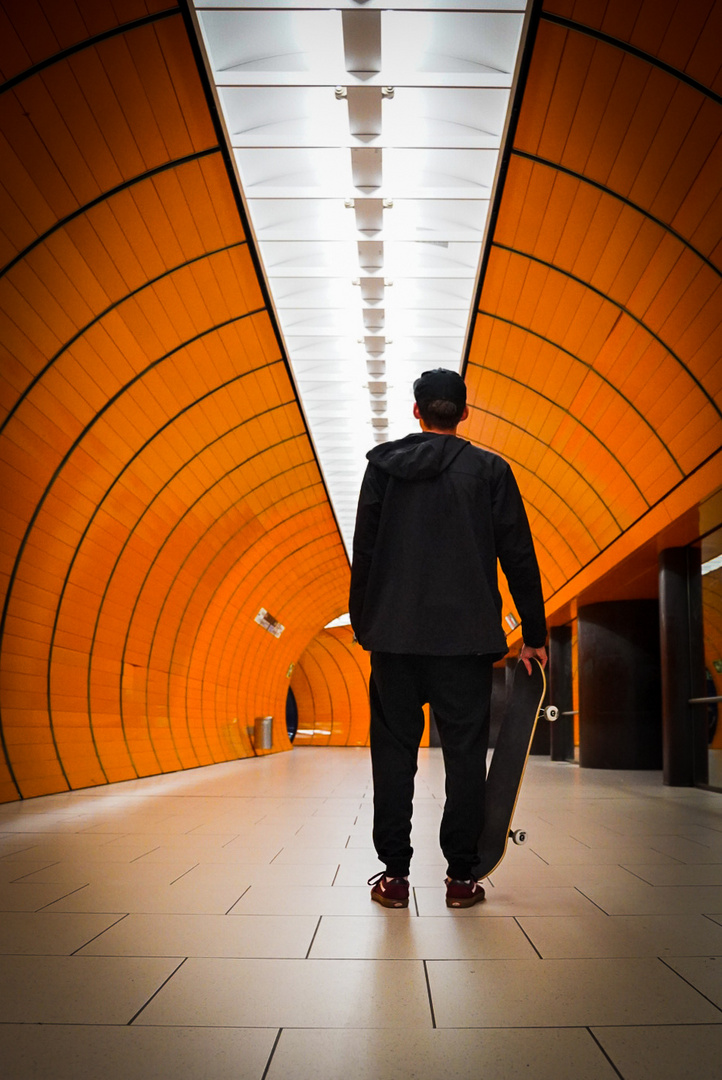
(620, 721)
(559, 674)
(680, 629)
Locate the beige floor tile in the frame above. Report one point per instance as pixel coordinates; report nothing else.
(273, 875)
(78, 989)
(640, 899)
(235, 852)
(559, 854)
(19, 869)
(499, 902)
(47, 933)
(664, 1053)
(126, 1053)
(703, 972)
(20, 896)
(78, 872)
(429, 1055)
(684, 850)
(684, 874)
(419, 939)
(305, 900)
(293, 993)
(537, 875)
(298, 855)
(624, 936)
(554, 993)
(264, 936)
(181, 898)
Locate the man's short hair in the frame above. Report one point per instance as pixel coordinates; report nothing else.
(441, 397)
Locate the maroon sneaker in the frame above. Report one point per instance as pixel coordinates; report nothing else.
(463, 893)
(390, 891)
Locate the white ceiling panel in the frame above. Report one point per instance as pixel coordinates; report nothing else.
(365, 137)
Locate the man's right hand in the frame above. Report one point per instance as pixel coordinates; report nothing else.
(527, 653)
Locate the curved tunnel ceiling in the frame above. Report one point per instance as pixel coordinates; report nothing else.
(594, 360)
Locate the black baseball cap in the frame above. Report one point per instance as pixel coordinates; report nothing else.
(440, 384)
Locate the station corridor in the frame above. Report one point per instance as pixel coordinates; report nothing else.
(233, 235)
(216, 924)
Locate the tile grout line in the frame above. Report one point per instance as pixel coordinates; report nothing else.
(516, 920)
(184, 874)
(100, 934)
(428, 991)
(64, 896)
(139, 857)
(237, 901)
(690, 984)
(270, 1056)
(156, 992)
(308, 953)
(599, 908)
(596, 1040)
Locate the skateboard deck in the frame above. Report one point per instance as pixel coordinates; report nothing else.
(508, 763)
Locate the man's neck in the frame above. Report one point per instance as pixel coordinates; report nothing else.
(436, 430)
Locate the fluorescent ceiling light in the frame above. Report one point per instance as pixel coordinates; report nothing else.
(366, 141)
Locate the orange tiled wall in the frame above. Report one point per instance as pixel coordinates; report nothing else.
(330, 684)
(158, 483)
(594, 364)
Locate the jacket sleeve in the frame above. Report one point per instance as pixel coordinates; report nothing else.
(515, 551)
(368, 516)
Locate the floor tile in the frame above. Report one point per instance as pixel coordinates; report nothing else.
(279, 877)
(309, 900)
(640, 899)
(20, 896)
(119, 1053)
(181, 898)
(679, 874)
(502, 901)
(623, 936)
(419, 939)
(78, 872)
(293, 993)
(702, 972)
(554, 993)
(266, 936)
(46, 933)
(428, 1055)
(539, 875)
(664, 1053)
(78, 989)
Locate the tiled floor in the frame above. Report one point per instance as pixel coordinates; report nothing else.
(216, 924)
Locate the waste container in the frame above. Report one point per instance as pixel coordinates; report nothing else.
(263, 732)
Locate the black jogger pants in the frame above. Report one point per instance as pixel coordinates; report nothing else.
(458, 688)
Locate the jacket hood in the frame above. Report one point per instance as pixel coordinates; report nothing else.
(417, 457)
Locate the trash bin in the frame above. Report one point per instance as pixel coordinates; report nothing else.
(263, 732)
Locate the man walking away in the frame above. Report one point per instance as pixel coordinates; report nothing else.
(435, 514)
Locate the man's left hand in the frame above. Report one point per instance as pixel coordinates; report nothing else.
(527, 653)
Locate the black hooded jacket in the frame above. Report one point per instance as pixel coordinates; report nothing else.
(434, 515)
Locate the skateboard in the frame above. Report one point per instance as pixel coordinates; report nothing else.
(508, 763)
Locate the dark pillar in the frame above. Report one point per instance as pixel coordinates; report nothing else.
(559, 674)
(620, 723)
(680, 628)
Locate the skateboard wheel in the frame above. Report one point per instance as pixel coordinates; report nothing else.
(518, 836)
(551, 712)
